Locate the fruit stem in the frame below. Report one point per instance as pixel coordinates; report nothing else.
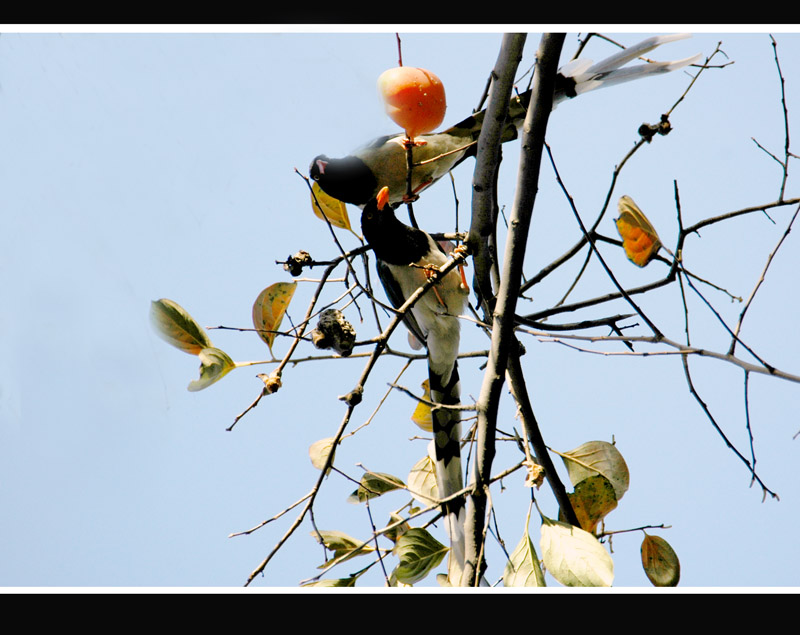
(399, 50)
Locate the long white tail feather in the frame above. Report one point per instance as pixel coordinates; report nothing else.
(589, 76)
(623, 56)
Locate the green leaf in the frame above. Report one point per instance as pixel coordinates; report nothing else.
(660, 561)
(214, 365)
(422, 482)
(374, 484)
(573, 556)
(419, 554)
(598, 457)
(174, 325)
(522, 568)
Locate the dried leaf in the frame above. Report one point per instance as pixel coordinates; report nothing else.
(598, 457)
(269, 307)
(325, 206)
(660, 561)
(174, 325)
(214, 365)
(419, 554)
(573, 556)
(374, 484)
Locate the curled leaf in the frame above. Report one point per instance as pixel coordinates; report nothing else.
(660, 561)
(174, 325)
(639, 237)
(214, 365)
(325, 206)
(573, 556)
(269, 308)
(374, 484)
(422, 481)
(419, 554)
(598, 457)
(422, 413)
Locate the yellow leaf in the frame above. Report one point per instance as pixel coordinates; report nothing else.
(639, 237)
(660, 561)
(325, 206)
(269, 307)
(174, 325)
(422, 413)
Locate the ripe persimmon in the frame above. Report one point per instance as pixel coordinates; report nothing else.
(414, 99)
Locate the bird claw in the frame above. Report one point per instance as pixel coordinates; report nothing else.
(413, 143)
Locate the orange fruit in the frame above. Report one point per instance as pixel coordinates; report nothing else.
(414, 99)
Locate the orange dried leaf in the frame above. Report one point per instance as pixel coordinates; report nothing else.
(639, 237)
(325, 206)
(269, 307)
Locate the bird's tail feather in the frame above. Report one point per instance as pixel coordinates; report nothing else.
(446, 453)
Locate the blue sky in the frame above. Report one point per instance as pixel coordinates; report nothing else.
(145, 165)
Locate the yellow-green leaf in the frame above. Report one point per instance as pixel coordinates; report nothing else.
(422, 413)
(343, 546)
(174, 325)
(269, 307)
(573, 556)
(523, 568)
(422, 481)
(660, 561)
(598, 457)
(592, 500)
(374, 484)
(319, 451)
(325, 206)
(214, 365)
(419, 554)
(338, 582)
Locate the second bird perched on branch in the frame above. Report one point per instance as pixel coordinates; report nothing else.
(407, 259)
(357, 178)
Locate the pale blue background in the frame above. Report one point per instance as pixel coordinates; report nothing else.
(140, 166)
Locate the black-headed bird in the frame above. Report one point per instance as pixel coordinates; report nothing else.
(407, 258)
(356, 179)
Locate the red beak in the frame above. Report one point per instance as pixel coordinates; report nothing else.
(383, 197)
